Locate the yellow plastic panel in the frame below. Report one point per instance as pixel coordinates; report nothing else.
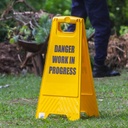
(62, 67)
(67, 86)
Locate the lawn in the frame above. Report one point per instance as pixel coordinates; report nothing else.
(19, 97)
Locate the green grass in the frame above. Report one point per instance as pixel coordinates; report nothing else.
(18, 104)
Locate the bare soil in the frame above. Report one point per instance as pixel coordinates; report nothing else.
(9, 59)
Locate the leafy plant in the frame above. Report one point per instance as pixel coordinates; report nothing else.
(58, 7)
(41, 32)
(123, 30)
(118, 13)
(37, 33)
(89, 32)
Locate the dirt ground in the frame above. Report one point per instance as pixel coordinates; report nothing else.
(9, 59)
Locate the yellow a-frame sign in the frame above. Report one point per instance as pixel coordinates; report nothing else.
(67, 86)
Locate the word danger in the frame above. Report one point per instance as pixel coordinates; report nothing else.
(64, 48)
(62, 70)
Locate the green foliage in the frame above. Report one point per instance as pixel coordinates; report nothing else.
(52, 6)
(37, 4)
(4, 24)
(37, 34)
(58, 7)
(118, 13)
(14, 39)
(24, 32)
(43, 30)
(3, 32)
(89, 32)
(123, 30)
(3, 5)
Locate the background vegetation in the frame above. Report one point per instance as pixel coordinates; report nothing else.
(118, 12)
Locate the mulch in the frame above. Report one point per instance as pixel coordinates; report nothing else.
(9, 59)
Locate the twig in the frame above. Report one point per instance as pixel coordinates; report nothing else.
(118, 48)
(6, 18)
(24, 1)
